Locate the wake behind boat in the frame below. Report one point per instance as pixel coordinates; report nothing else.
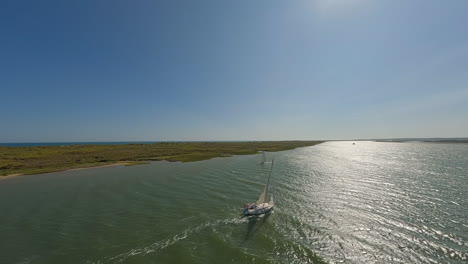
(260, 206)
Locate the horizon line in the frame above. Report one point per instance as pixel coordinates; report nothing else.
(246, 140)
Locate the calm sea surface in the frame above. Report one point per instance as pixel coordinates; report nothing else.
(367, 203)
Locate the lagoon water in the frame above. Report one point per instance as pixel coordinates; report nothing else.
(342, 203)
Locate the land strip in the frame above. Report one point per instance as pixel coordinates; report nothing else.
(454, 141)
(35, 160)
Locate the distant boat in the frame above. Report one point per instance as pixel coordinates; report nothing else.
(260, 206)
(263, 158)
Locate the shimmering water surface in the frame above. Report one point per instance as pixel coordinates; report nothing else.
(365, 203)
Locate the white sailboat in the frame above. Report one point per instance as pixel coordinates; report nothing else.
(263, 158)
(260, 206)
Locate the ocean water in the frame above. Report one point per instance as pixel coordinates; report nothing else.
(336, 202)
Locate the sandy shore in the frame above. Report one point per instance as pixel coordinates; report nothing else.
(84, 168)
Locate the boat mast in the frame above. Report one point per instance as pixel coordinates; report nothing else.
(268, 182)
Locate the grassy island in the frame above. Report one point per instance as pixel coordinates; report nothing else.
(34, 160)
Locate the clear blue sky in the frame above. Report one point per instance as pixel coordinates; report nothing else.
(232, 70)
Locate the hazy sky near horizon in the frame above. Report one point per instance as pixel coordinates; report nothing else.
(232, 70)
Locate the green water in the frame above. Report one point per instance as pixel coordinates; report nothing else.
(367, 203)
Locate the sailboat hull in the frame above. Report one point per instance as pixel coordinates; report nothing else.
(260, 209)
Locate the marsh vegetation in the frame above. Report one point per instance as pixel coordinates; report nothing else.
(34, 160)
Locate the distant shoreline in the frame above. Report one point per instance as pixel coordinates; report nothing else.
(425, 141)
(72, 143)
(17, 161)
(83, 168)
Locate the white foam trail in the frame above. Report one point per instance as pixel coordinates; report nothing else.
(162, 244)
